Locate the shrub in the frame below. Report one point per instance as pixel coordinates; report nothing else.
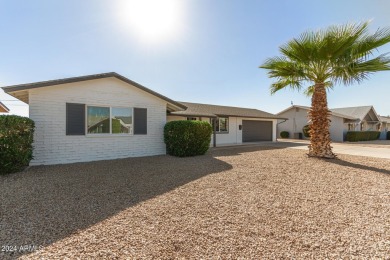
(16, 137)
(305, 131)
(388, 135)
(187, 137)
(284, 134)
(355, 136)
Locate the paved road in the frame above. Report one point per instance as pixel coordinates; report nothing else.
(378, 150)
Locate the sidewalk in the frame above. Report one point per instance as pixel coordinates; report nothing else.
(370, 149)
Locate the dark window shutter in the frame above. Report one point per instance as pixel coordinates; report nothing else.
(75, 119)
(140, 121)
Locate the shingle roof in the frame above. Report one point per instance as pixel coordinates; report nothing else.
(196, 109)
(13, 88)
(385, 119)
(3, 108)
(357, 112)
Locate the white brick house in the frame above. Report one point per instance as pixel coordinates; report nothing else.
(234, 125)
(48, 103)
(107, 116)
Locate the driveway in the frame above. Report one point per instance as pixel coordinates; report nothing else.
(377, 149)
(240, 202)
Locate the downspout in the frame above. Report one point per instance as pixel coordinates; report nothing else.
(277, 127)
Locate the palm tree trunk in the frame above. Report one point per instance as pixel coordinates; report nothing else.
(319, 124)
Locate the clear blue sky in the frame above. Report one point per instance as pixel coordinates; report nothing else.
(212, 58)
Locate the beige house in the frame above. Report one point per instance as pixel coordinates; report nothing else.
(297, 119)
(362, 118)
(368, 119)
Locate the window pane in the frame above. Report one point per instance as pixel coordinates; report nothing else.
(122, 120)
(98, 120)
(223, 124)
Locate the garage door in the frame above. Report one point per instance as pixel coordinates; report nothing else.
(255, 131)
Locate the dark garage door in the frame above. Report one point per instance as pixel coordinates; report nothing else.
(255, 131)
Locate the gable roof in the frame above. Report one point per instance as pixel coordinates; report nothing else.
(3, 108)
(21, 87)
(359, 112)
(333, 113)
(206, 110)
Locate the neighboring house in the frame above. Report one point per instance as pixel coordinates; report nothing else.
(234, 125)
(368, 119)
(3, 108)
(107, 116)
(385, 126)
(298, 118)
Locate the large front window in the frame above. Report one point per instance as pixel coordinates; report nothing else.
(109, 120)
(222, 124)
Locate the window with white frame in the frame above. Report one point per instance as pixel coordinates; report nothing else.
(109, 120)
(222, 124)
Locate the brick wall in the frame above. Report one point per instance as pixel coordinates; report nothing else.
(48, 110)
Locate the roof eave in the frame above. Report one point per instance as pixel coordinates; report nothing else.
(28, 86)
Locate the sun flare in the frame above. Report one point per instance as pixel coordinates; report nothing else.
(152, 20)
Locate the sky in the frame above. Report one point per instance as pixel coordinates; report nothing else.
(188, 50)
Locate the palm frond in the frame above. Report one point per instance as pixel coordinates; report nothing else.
(338, 54)
(283, 83)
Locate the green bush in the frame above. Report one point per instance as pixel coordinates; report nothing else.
(187, 137)
(388, 135)
(284, 134)
(16, 137)
(305, 131)
(355, 136)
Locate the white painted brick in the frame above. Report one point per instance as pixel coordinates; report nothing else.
(53, 146)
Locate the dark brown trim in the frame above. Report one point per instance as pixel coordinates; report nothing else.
(214, 132)
(41, 84)
(190, 115)
(220, 115)
(6, 109)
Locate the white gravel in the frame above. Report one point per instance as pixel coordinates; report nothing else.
(241, 202)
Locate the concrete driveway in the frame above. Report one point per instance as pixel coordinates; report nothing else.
(377, 149)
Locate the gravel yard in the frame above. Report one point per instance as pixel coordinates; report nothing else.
(233, 202)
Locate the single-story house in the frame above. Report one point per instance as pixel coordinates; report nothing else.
(233, 125)
(368, 119)
(107, 116)
(362, 118)
(3, 108)
(385, 126)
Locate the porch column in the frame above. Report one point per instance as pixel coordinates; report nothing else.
(214, 132)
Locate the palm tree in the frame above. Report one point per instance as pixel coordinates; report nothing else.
(317, 60)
